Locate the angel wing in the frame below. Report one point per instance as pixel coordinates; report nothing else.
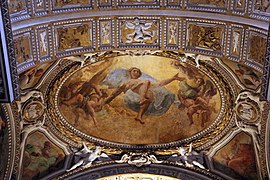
(189, 71)
(190, 148)
(104, 157)
(130, 25)
(95, 80)
(80, 59)
(147, 25)
(210, 89)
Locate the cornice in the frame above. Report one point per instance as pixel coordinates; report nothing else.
(143, 12)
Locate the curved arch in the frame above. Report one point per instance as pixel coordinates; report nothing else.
(175, 13)
(156, 169)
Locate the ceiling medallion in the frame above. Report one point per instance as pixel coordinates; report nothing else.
(247, 109)
(140, 100)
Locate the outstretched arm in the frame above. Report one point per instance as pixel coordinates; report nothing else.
(168, 81)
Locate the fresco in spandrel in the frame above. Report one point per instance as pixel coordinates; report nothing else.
(29, 78)
(135, 100)
(3, 144)
(106, 32)
(237, 158)
(41, 157)
(247, 75)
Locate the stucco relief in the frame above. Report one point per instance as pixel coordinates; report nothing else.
(172, 34)
(43, 42)
(139, 31)
(105, 32)
(138, 2)
(236, 44)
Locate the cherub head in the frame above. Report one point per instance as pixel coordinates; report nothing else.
(136, 21)
(182, 151)
(98, 150)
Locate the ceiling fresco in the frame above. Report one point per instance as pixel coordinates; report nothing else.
(138, 89)
(101, 101)
(40, 157)
(240, 161)
(3, 141)
(125, 93)
(30, 77)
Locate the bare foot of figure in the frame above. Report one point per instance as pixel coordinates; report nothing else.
(139, 119)
(88, 117)
(76, 121)
(95, 122)
(202, 124)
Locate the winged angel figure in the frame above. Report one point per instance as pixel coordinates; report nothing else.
(86, 96)
(140, 33)
(188, 158)
(86, 156)
(142, 93)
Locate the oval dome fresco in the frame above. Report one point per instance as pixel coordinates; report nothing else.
(139, 100)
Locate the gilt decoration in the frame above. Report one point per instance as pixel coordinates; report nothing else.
(72, 127)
